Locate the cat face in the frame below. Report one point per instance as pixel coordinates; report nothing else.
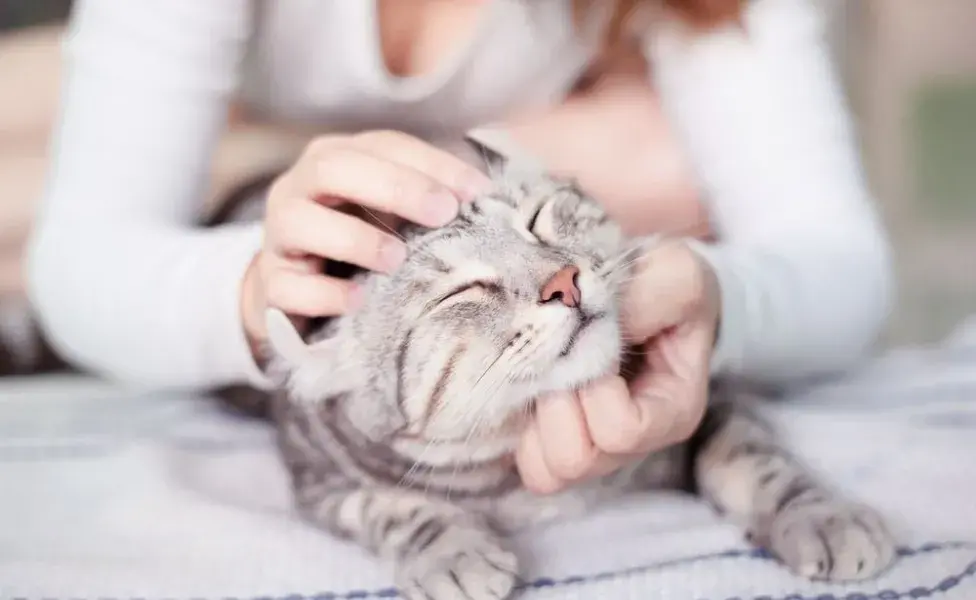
(515, 298)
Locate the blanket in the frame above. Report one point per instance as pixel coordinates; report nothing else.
(118, 494)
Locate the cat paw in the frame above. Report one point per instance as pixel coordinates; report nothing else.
(832, 541)
(458, 563)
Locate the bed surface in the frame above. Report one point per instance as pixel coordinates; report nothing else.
(120, 494)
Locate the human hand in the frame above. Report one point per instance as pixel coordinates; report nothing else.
(390, 172)
(670, 310)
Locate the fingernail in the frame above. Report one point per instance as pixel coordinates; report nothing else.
(392, 254)
(441, 209)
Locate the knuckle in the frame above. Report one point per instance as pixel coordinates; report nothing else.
(604, 439)
(392, 187)
(543, 483)
(277, 229)
(404, 189)
(375, 247)
(629, 436)
(572, 462)
(346, 243)
(275, 292)
(381, 136)
(687, 418)
(278, 191)
(264, 269)
(319, 146)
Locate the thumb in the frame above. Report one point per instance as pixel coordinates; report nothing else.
(673, 392)
(683, 351)
(663, 292)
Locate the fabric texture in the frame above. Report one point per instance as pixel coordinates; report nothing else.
(125, 285)
(116, 494)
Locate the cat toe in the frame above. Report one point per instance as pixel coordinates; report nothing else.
(487, 575)
(468, 565)
(835, 542)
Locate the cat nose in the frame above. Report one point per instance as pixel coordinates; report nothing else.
(562, 287)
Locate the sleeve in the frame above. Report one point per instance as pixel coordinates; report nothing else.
(122, 281)
(802, 259)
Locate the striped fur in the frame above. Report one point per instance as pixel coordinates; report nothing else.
(398, 422)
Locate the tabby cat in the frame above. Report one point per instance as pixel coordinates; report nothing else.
(397, 422)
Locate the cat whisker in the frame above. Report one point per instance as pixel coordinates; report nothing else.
(450, 483)
(621, 261)
(393, 231)
(383, 224)
(503, 378)
(418, 463)
(488, 368)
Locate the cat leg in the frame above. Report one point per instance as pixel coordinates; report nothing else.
(440, 551)
(743, 470)
(521, 509)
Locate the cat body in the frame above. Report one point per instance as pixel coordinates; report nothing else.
(398, 421)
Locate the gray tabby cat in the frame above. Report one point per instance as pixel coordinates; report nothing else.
(398, 421)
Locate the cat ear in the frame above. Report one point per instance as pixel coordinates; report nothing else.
(307, 370)
(501, 156)
(492, 161)
(284, 339)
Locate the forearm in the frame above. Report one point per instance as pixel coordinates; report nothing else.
(164, 313)
(122, 281)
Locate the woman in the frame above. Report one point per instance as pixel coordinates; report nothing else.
(124, 285)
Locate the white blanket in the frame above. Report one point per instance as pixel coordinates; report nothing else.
(118, 494)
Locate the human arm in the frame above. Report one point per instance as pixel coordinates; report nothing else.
(798, 284)
(122, 283)
(802, 261)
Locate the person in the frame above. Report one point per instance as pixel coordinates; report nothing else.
(795, 283)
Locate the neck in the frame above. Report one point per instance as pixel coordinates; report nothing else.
(463, 469)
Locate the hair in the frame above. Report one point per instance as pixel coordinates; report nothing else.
(631, 17)
(701, 14)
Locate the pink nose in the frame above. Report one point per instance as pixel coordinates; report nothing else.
(562, 287)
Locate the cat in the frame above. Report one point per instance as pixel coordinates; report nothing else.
(397, 422)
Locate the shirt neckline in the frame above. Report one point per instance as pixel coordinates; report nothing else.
(416, 87)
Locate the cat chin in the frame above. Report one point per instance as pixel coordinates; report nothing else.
(594, 355)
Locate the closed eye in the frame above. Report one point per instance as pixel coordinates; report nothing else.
(479, 285)
(535, 217)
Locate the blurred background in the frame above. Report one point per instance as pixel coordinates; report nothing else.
(910, 71)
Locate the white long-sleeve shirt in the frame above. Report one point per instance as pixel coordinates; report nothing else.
(126, 286)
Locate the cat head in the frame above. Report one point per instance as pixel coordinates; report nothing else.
(515, 298)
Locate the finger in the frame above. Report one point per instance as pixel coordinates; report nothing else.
(308, 228)
(673, 277)
(615, 423)
(671, 408)
(566, 445)
(307, 295)
(442, 166)
(375, 183)
(683, 351)
(532, 466)
(608, 463)
(672, 394)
